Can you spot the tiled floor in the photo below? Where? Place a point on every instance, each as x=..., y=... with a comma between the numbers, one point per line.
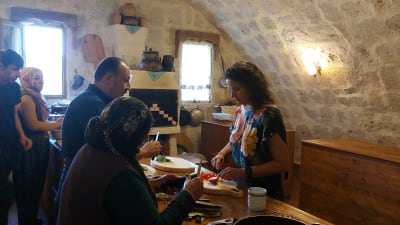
x=293, y=200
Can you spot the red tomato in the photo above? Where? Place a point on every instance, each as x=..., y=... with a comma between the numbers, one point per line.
x=214, y=180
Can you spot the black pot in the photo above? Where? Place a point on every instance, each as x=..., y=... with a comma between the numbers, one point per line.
x=185, y=117
x=270, y=220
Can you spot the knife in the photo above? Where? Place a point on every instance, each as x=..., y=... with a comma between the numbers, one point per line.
x=199, y=168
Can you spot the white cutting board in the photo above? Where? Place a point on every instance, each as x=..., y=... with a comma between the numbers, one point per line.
x=223, y=187
x=176, y=165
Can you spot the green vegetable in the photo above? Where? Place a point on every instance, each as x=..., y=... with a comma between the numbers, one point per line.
x=162, y=158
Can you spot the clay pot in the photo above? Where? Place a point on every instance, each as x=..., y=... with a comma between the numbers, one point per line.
x=168, y=63
x=151, y=61
x=128, y=9
x=143, y=21
x=151, y=65
x=150, y=55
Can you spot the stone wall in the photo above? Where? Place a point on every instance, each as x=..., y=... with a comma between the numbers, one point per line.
x=164, y=17
x=356, y=97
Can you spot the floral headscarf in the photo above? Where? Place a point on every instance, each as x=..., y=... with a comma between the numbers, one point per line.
x=26, y=77
x=121, y=127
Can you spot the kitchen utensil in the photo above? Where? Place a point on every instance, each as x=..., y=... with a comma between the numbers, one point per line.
x=175, y=165
x=168, y=62
x=221, y=81
x=199, y=168
x=267, y=219
x=77, y=81
x=158, y=134
x=185, y=117
x=92, y=48
x=257, y=220
x=224, y=187
x=197, y=116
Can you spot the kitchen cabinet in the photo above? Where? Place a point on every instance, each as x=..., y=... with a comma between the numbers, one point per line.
x=215, y=135
x=350, y=182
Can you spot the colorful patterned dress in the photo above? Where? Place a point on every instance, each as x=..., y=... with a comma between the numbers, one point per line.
x=268, y=121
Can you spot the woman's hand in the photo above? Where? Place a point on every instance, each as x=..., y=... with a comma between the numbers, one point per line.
x=59, y=122
x=230, y=173
x=194, y=187
x=156, y=183
x=217, y=161
x=151, y=148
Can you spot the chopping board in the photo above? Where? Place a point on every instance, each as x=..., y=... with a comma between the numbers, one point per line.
x=175, y=165
x=224, y=187
x=148, y=170
x=92, y=48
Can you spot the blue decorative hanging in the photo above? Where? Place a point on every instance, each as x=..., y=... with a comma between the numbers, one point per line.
x=132, y=29
x=155, y=75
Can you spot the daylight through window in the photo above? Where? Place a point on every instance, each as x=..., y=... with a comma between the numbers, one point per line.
x=43, y=48
x=195, y=71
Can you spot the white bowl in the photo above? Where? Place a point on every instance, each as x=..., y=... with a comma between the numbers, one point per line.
x=222, y=116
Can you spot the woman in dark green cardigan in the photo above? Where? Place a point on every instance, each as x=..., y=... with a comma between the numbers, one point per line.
x=107, y=185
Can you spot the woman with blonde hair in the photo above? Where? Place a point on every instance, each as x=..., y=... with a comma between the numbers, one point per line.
x=31, y=165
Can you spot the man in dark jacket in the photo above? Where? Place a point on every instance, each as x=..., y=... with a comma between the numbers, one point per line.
x=12, y=136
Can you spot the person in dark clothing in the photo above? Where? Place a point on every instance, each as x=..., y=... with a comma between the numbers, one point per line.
x=31, y=165
x=258, y=136
x=12, y=136
x=111, y=80
x=106, y=183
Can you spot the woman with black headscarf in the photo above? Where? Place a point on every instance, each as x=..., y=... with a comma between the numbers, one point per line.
x=107, y=185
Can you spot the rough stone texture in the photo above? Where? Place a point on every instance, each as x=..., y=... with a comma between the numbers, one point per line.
x=356, y=97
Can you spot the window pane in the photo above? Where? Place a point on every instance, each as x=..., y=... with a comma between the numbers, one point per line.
x=195, y=71
x=44, y=49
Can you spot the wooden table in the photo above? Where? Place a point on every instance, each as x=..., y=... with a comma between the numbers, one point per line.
x=237, y=207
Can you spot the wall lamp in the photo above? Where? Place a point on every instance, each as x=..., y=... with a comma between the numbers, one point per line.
x=314, y=61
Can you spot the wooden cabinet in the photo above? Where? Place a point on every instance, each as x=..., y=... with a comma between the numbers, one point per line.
x=215, y=135
x=350, y=182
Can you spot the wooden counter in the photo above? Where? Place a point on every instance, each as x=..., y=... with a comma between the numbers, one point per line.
x=215, y=135
x=350, y=182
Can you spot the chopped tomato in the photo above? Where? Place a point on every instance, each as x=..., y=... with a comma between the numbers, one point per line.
x=214, y=180
x=206, y=176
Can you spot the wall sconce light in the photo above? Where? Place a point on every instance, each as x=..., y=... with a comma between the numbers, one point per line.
x=314, y=61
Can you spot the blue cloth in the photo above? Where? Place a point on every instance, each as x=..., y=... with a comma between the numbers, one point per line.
x=155, y=75
x=132, y=29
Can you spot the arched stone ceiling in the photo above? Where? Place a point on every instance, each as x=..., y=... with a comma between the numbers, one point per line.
x=356, y=95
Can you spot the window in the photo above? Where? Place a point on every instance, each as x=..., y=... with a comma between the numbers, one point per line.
x=44, y=36
x=195, y=71
x=44, y=49
x=196, y=59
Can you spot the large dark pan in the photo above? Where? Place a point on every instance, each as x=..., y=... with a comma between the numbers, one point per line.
x=267, y=220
